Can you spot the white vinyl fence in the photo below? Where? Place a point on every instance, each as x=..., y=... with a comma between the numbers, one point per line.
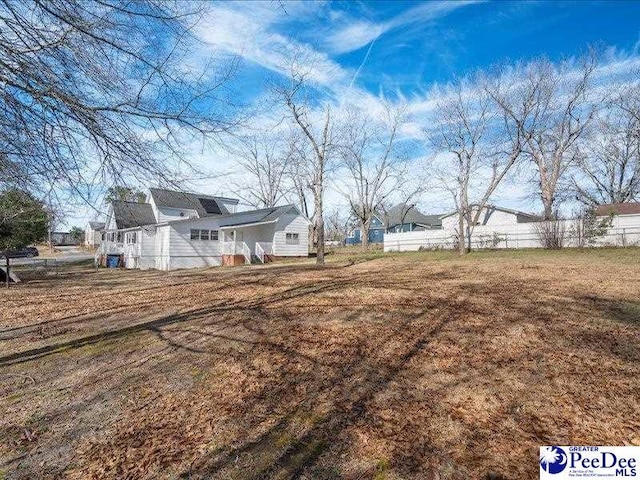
x=625, y=232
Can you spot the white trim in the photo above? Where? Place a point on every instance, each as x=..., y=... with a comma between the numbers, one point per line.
x=242, y=225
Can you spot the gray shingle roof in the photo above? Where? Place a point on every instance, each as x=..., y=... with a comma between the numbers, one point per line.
x=132, y=214
x=96, y=225
x=257, y=216
x=204, y=205
x=403, y=213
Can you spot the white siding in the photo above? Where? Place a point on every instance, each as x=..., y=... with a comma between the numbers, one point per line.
x=490, y=218
x=147, y=248
x=187, y=253
x=231, y=206
x=291, y=223
x=161, y=248
x=166, y=214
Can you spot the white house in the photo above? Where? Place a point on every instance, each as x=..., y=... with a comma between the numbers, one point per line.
x=185, y=230
x=504, y=228
x=93, y=234
x=491, y=216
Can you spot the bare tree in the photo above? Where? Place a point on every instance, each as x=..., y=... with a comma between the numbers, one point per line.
x=559, y=112
x=313, y=144
x=368, y=152
x=469, y=131
x=339, y=223
x=94, y=92
x=610, y=161
x=264, y=161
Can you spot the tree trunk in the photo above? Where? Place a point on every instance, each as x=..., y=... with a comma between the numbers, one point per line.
x=468, y=238
x=7, y=272
x=319, y=230
x=461, y=244
x=547, y=203
x=364, y=234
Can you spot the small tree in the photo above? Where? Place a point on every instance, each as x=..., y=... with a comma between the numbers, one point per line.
x=551, y=233
x=125, y=194
x=339, y=223
x=76, y=233
x=587, y=227
x=23, y=220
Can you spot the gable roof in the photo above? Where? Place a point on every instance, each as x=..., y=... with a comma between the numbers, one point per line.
x=132, y=214
x=248, y=217
x=618, y=209
x=403, y=213
x=522, y=217
x=204, y=205
x=258, y=216
x=96, y=225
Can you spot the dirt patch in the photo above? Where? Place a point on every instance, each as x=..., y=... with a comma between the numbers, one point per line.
x=404, y=366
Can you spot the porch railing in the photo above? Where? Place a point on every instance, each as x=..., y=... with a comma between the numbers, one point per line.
x=236, y=248
x=263, y=249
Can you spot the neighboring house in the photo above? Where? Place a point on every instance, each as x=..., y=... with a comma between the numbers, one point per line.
x=491, y=216
x=185, y=230
x=401, y=218
x=376, y=232
x=407, y=218
x=64, y=239
x=632, y=208
x=93, y=234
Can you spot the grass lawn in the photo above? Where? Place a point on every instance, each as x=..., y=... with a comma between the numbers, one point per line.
x=420, y=365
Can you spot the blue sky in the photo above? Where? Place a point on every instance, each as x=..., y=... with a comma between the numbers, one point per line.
x=400, y=49
x=407, y=46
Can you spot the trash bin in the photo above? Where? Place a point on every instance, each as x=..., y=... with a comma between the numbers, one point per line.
x=113, y=261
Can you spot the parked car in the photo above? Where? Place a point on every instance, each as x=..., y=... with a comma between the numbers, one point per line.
x=25, y=252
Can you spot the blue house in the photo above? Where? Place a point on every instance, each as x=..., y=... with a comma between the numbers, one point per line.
x=401, y=218
x=376, y=233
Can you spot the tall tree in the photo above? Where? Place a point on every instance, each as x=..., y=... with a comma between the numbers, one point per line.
x=609, y=166
x=368, y=151
x=314, y=142
x=94, y=92
x=561, y=111
x=23, y=220
x=469, y=131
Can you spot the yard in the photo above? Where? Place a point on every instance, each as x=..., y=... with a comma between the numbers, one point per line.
x=417, y=365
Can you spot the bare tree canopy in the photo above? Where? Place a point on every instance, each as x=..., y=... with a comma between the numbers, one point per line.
x=368, y=151
x=470, y=131
x=264, y=162
x=313, y=140
x=610, y=162
x=93, y=91
x=558, y=112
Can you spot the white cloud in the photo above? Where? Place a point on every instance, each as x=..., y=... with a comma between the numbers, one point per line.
x=355, y=34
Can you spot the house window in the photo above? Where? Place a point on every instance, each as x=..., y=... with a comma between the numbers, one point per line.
x=119, y=237
x=132, y=237
x=293, y=238
x=204, y=235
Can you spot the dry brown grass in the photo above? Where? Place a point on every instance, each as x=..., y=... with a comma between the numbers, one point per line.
x=407, y=366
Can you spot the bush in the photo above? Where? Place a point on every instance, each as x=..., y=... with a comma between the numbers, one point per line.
x=551, y=233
